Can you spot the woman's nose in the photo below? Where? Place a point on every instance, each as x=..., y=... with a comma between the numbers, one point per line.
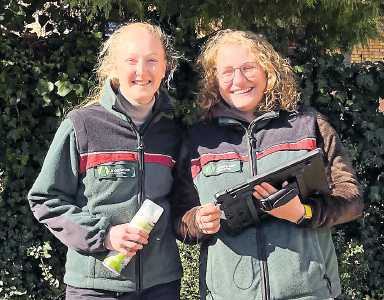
x=238, y=76
x=140, y=67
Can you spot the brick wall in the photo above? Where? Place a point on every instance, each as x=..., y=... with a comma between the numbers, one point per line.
x=374, y=50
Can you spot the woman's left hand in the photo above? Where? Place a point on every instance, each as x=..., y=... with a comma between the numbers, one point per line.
x=291, y=211
x=207, y=218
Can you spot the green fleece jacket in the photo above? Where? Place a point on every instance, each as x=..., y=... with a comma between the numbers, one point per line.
x=275, y=259
x=91, y=179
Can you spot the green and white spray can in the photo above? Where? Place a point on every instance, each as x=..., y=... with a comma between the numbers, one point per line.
x=145, y=219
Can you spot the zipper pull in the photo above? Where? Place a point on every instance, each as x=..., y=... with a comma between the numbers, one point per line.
x=252, y=140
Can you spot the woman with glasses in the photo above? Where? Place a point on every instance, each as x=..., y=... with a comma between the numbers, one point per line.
x=106, y=158
x=252, y=122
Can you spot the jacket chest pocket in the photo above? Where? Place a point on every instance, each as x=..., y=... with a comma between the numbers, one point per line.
x=217, y=176
x=111, y=185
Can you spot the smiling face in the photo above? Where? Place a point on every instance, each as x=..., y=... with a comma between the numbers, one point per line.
x=245, y=89
x=139, y=64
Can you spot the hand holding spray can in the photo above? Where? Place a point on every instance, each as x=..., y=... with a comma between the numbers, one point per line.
x=145, y=219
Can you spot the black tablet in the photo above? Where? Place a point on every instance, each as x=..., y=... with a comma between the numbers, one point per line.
x=308, y=171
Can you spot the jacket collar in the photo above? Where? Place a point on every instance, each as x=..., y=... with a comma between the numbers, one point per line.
x=227, y=116
x=163, y=103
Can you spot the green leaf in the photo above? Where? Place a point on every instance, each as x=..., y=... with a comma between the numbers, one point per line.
x=44, y=87
x=47, y=100
x=64, y=87
x=298, y=69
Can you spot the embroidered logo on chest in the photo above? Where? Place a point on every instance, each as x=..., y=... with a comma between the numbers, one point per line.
x=126, y=170
x=216, y=168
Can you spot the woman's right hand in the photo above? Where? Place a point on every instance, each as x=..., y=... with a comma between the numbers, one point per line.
x=126, y=239
x=207, y=218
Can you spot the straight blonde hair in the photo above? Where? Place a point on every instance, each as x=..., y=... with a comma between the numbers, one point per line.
x=105, y=65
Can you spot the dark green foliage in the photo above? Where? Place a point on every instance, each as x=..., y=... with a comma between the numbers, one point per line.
x=35, y=75
x=190, y=262
x=41, y=78
x=349, y=97
x=314, y=24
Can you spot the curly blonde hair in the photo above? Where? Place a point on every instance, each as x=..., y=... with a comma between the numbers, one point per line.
x=105, y=66
x=281, y=91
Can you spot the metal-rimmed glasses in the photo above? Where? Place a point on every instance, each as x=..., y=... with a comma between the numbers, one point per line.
x=248, y=70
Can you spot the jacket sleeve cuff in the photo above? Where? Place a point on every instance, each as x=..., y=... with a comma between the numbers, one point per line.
x=316, y=203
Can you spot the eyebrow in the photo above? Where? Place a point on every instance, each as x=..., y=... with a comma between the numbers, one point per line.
x=247, y=62
x=148, y=54
x=152, y=54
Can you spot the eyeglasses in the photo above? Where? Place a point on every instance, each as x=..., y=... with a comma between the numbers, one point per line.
x=249, y=71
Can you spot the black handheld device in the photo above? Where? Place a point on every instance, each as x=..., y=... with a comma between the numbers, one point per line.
x=305, y=176
x=308, y=171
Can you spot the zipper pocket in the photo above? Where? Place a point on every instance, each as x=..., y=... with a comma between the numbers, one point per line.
x=329, y=284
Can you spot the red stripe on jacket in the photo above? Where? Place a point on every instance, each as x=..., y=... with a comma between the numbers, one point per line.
x=198, y=163
x=305, y=144
x=89, y=160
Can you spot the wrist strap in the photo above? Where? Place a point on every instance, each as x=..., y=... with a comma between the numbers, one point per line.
x=281, y=197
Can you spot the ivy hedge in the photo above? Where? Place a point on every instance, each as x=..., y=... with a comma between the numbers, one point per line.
x=40, y=79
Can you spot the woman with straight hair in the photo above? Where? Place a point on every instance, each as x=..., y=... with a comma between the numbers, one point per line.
x=106, y=158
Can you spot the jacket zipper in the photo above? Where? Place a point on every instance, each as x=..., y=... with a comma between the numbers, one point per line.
x=265, y=289
x=140, y=151
x=141, y=194
x=140, y=200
